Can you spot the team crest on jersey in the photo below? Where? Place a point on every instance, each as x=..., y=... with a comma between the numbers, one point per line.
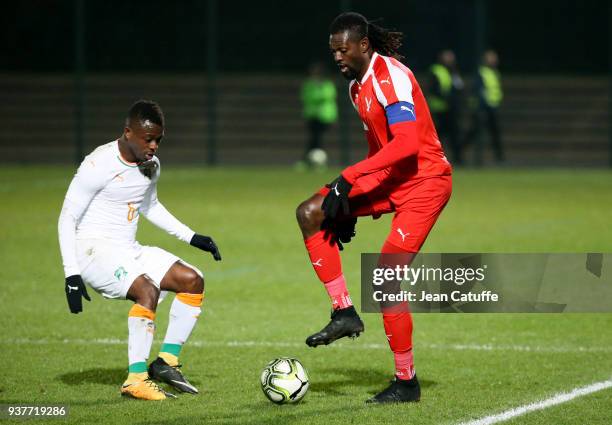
x=120, y=273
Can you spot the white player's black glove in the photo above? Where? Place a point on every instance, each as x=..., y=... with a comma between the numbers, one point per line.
x=75, y=289
x=338, y=196
x=205, y=243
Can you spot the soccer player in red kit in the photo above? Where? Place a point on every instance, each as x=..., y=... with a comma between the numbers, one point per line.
x=405, y=173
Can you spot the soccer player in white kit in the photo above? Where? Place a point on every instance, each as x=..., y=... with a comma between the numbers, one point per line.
x=97, y=232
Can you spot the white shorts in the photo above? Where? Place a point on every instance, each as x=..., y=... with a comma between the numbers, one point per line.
x=110, y=267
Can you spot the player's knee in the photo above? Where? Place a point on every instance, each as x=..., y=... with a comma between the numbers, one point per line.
x=309, y=214
x=148, y=296
x=193, y=283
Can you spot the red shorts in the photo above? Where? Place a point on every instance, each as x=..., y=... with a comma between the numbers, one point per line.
x=416, y=204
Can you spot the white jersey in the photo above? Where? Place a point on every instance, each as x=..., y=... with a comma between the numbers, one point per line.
x=105, y=200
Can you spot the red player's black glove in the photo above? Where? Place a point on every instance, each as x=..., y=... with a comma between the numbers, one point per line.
x=337, y=197
x=342, y=231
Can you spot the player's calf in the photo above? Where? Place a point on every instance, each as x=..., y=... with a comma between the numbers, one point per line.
x=144, y=292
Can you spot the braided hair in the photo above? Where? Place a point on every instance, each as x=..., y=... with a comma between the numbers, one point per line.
x=383, y=40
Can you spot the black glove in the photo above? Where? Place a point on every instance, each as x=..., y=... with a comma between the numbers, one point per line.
x=345, y=230
x=338, y=196
x=342, y=231
x=205, y=243
x=75, y=289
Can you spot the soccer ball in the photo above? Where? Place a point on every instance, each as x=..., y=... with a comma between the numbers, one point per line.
x=317, y=157
x=284, y=381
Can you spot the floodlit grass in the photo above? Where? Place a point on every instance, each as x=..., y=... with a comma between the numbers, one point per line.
x=262, y=301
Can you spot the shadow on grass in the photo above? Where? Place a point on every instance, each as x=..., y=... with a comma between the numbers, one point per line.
x=332, y=381
x=108, y=376
x=343, y=379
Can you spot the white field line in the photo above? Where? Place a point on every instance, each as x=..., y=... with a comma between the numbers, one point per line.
x=350, y=346
x=539, y=405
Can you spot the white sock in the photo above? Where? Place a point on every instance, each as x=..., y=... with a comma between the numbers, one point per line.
x=141, y=328
x=183, y=318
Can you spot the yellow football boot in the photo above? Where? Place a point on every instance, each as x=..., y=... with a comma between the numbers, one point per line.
x=142, y=387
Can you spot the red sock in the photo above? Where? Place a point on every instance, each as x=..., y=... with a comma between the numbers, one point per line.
x=398, y=327
x=325, y=258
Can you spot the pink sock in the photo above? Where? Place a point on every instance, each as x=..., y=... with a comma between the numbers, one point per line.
x=404, y=365
x=336, y=289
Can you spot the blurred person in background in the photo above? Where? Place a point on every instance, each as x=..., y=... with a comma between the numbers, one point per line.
x=486, y=100
x=320, y=112
x=445, y=96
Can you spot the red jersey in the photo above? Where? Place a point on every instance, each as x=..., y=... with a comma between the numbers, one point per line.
x=392, y=108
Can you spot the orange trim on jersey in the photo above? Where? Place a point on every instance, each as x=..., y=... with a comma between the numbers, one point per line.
x=194, y=300
x=126, y=162
x=139, y=311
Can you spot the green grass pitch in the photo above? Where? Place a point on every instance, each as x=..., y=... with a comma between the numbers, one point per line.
x=262, y=301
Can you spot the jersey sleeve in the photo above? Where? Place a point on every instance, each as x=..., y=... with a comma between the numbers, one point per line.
x=157, y=214
x=87, y=182
x=393, y=90
x=392, y=82
x=404, y=143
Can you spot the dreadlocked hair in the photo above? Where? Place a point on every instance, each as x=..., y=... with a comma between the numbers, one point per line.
x=383, y=40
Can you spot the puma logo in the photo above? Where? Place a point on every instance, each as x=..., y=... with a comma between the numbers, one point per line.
x=385, y=81
x=368, y=103
x=402, y=234
x=406, y=108
x=318, y=263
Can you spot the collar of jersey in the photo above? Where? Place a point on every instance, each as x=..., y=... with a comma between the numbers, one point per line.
x=127, y=164
x=121, y=160
x=370, y=67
